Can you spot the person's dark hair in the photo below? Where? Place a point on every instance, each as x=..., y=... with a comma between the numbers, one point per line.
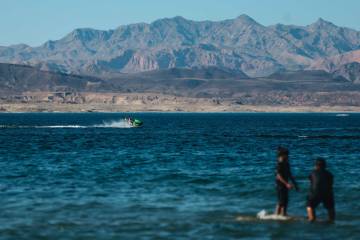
x=320, y=163
x=282, y=152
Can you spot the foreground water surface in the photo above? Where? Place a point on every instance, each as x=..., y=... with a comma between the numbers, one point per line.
x=181, y=176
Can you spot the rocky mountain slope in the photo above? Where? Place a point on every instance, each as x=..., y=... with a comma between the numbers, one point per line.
x=350, y=71
x=204, y=82
x=239, y=44
x=178, y=89
x=194, y=83
x=16, y=79
x=346, y=65
x=332, y=63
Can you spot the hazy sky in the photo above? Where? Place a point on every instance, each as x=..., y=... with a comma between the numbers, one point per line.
x=36, y=21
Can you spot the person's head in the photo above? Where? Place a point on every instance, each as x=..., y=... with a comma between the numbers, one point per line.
x=320, y=164
x=282, y=154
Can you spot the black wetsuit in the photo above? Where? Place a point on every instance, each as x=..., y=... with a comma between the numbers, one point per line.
x=321, y=190
x=283, y=169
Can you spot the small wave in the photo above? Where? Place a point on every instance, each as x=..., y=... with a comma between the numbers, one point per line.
x=342, y=115
x=7, y=126
x=312, y=136
x=246, y=218
x=303, y=136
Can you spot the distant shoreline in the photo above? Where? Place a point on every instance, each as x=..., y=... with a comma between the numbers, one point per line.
x=168, y=108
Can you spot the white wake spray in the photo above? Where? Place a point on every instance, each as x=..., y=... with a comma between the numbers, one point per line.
x=114, y=124
x=60, y=126
x=106, y=124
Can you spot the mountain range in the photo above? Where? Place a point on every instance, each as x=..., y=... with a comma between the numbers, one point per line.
x=241, y=45
x=202, y=82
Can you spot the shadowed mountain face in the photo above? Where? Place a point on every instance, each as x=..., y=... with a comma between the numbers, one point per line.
x=16, y=79
x=350, y=71
x=195, y=82
x=239, y=44
x=23, y=84
x=191, y=83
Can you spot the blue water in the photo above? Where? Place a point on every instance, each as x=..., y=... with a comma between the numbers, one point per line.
x=181, y=176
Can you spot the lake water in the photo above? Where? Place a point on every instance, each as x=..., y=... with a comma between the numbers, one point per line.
x=180, y=176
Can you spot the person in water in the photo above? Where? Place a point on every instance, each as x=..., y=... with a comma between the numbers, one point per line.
x=321, y=191
x=283, y=176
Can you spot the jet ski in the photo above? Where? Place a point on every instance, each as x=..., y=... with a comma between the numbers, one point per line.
x=137, y=123
x=134, y=122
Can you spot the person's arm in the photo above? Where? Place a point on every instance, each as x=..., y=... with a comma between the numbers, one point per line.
x=279, y=175
x=291, y=177
x=293, y=180
x=282, y=180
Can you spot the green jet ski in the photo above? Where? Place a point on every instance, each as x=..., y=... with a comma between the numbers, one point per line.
x=134, y=122
x=137, y=123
